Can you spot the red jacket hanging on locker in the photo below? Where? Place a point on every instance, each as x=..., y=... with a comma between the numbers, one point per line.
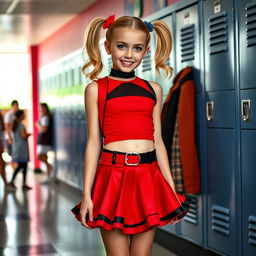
x=179, y=112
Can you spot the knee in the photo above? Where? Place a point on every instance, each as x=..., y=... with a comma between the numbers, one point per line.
x=140, y=252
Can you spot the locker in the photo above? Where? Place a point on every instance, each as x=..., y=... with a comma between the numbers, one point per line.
x=247, y=32
x=248, y=109
x=199, y=106
x=82, y=135
x=219, y=45
x=166, y=83
x=191, y=227
x=187, y=43
x=220, y=109
x=248, y=142
x=221, y=184
x=146, y=69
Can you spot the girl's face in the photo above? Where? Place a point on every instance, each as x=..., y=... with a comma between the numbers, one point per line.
x=42, y=109
x=127, y=48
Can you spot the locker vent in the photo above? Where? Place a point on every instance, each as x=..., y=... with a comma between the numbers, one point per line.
x=252, y=230
x=109, y=64
x=146, y=64
x=192, y=215
x=221, y=219
x=250, y=21
x=218, y=29
x=168, y=62
x=187, y=43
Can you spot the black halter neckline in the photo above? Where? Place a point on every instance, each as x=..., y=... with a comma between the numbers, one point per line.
x=121, y=74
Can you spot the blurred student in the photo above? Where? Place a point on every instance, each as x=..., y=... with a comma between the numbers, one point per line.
x=20, y=153
x=2, y=162
x=45, y=139
x=8, y=121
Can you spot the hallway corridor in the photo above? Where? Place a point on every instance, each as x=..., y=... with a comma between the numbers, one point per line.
x=39, y=222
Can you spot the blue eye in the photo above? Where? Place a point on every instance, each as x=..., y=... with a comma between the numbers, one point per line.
x=138, y=49
x=121, y=46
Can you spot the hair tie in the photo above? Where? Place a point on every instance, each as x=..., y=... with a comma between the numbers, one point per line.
x=149, y=25
x=108, y=21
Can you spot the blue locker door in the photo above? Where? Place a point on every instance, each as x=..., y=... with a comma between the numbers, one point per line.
x=248, y=142
x=166, y=83
x=187, y=42
x=221, y=154
x=220, y=109
x=247, y=30
x=146, y=65
x=82, y=133
x=219, y=45
x=248, y=108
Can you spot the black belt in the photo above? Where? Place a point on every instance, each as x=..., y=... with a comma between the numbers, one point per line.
x=128, y=158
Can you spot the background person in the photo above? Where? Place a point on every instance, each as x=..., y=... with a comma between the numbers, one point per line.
x=20, y=152
x=8, y=120
x=2, y=162
x=45, y=139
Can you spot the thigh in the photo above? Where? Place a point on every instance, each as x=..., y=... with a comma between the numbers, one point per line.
x=141, y=244
x=116, y=243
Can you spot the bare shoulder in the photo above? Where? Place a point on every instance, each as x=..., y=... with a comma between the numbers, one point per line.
x=157, y=87
x=91, y=89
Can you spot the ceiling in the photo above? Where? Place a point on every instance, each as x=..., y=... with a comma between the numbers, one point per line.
x=29, y=22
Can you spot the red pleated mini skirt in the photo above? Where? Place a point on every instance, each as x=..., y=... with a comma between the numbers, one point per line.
x=131, y=198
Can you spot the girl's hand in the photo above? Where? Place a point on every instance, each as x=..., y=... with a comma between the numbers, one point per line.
x=172, y=185
x=86, y=206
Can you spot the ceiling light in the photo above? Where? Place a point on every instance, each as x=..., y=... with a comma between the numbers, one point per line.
x=12, y=6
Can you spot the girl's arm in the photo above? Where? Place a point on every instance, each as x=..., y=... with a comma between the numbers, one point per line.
x=23, y=133
x=41, y=128
x=93, y=149
x=161, y=152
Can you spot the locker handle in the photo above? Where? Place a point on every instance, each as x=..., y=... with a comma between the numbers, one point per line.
x=246, y=110
x=209, y=110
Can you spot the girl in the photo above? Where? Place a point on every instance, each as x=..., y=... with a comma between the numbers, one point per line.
x=128, y=187
x=44, y=139
x=20, y=153
x=2, y=163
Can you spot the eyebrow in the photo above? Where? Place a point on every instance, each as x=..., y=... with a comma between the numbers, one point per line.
x=126, y=43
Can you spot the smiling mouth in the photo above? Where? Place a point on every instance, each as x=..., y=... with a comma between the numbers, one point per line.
x=127, y=63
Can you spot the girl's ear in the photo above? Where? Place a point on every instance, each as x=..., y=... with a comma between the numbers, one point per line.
x=107, y=47
x=146, y=52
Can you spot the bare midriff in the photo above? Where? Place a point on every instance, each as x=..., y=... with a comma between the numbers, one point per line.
x=139, y=146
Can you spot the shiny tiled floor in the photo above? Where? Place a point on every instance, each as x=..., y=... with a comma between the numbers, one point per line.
x=39, y=222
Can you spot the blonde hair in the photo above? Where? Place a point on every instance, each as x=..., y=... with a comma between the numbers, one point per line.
x=92, y=38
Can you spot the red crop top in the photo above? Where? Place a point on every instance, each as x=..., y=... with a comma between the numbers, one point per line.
x=128, y=111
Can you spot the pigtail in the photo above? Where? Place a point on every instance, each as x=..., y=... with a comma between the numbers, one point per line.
x=163, y=47
x=91, y=46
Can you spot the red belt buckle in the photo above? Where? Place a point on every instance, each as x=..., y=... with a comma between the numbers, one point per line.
x=131, y=153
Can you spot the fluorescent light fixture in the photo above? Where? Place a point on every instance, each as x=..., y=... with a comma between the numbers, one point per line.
x=12, y=6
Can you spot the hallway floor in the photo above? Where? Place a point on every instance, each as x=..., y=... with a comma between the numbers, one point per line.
x=39, y=222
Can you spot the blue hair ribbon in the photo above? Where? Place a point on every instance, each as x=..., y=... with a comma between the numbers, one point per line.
x=149, y=25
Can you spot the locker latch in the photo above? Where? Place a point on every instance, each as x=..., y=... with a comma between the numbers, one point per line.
x=246, y=110
x=209, y=110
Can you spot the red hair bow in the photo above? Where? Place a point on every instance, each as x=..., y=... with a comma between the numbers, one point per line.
x=108, y=21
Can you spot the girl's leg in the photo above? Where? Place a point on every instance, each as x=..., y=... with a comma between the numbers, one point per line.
x=44, y=159
x=16, y=172
x=116, y=243
x=141, y=243
x=2, y=169
x=24, y=167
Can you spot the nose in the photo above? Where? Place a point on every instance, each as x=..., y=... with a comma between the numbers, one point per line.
x=128, y=53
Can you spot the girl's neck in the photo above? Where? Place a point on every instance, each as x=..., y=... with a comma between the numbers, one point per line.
x=120, y=74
